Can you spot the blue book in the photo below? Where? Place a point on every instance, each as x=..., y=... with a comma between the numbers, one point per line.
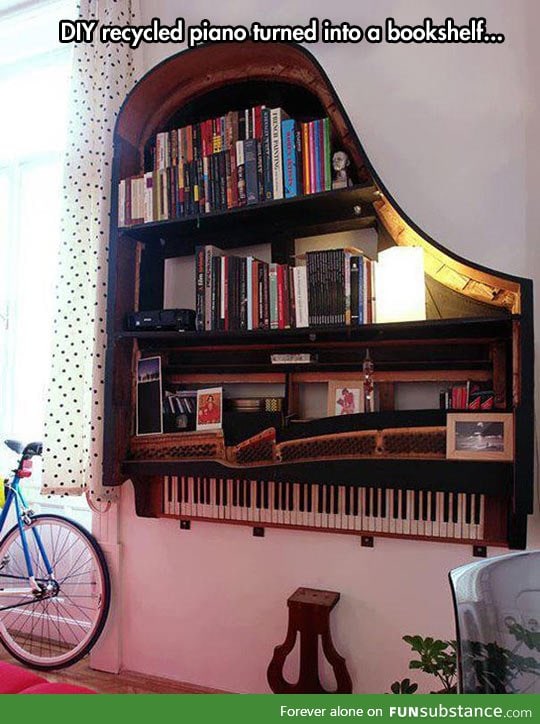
x=267, y=155
x=290, y=160
x=318, y=152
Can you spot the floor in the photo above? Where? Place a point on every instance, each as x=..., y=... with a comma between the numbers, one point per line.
x=126, y=682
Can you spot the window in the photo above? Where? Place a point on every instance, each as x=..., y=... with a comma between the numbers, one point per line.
x=34, y=85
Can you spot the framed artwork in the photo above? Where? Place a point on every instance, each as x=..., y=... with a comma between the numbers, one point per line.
x=482, y=436
x=149, y=416
x=345, y=398
x=210, y=408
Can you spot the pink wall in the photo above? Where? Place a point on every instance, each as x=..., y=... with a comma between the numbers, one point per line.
x=445, y=127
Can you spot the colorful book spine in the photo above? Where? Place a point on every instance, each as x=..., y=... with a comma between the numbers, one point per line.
x=290, y=161
x=277, y=116
x=273, y=295
x=251, y=172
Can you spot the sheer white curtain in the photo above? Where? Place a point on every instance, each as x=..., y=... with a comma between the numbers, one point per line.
x=34, y=82
x=102, y=77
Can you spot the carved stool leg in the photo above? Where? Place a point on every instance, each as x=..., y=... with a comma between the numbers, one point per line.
x=309, y=616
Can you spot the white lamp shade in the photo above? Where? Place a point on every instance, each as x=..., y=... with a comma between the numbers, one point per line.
x=400, y=286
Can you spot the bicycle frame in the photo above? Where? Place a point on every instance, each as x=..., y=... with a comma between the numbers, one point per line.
x=16, y=498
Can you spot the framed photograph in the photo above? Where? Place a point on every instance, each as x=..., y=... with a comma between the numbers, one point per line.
x=482, y=436
x=210, y=409
x=149, y=416
x=345, y=398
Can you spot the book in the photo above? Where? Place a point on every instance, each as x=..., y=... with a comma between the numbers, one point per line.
x=277, y=116
x=290, y=159
x=251, y=171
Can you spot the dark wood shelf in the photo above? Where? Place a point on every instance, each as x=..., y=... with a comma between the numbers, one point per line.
x=299, y=212
x=490, y=478
x=474, y=329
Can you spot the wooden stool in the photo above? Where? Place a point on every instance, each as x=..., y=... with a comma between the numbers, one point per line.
x=309, y=613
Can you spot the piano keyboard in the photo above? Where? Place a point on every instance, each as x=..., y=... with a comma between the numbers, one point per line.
x=330, y=507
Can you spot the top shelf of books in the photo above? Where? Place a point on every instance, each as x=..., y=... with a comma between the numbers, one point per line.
x=208, y=172
x=351, y=205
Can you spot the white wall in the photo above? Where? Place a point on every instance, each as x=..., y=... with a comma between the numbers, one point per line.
x=446, y=127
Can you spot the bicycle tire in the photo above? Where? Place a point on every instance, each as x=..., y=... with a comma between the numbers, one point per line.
x=23, y=644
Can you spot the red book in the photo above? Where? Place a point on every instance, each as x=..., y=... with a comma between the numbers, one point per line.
x=312, y=168
x=255, y=293
x=281, y=296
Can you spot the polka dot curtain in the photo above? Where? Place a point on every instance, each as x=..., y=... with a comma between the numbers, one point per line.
x=103, y=74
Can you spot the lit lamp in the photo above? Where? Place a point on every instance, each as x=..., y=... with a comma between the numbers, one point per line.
x=400, y=286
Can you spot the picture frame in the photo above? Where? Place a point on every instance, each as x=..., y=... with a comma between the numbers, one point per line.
x=149, y=403
x=210, y=409
x=481, y=436
x=345, y=398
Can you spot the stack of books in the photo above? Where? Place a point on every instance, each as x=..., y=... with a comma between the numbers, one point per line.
x=325, y=288
x=466, y=397
x=243, y=157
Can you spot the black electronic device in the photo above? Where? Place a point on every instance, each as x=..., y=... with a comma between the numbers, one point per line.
x=181, y=320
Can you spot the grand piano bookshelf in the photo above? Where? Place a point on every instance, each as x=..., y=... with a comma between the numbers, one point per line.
x=479, y=325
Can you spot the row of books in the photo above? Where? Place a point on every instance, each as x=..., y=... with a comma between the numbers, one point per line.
x=244, y=157
x=466, y=397
x=325, y=288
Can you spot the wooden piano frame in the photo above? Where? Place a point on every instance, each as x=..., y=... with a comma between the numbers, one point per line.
x=480, y=324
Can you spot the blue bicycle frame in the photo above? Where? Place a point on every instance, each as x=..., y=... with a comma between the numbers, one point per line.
x=15, y=497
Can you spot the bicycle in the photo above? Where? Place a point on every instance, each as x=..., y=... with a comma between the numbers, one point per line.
x=54, y=583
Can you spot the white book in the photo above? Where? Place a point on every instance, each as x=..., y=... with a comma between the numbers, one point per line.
x=240, y=153
x=122, y=203
x=277, y=115
x=148, y=197
x=301, y=296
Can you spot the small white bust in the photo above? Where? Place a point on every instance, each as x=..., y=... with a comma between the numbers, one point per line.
x=340, y=164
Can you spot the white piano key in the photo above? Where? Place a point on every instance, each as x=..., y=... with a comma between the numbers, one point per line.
x=342, y=521
x=406, y=511
x=443, y=525
x=413, y=512
x=480, y=534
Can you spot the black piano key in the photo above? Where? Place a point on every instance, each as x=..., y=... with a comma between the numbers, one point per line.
x=258, y=494
x=383, y=504
x=247, y=484
x=404, y=512
x=395, y=511
x=283, y=501
x=309, y=501
x=425, y=505
x=196, y=490
x=217, y=494
x=335, y=508
x=276, y=496
x=320, y=499
x=455, y=508
x=433, y=498
x=291, y=496
x=417, y=505
x=225, y=489
x=301, y=498
x=327, y=507
x=355, y=499
x=477, y=506
x=375, y=494
x=468, y=508
x=348, y=500
x=368, y=501
x=235, y=493
x=446, y=507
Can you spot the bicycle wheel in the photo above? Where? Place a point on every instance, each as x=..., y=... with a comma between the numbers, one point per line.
x=61, y=627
